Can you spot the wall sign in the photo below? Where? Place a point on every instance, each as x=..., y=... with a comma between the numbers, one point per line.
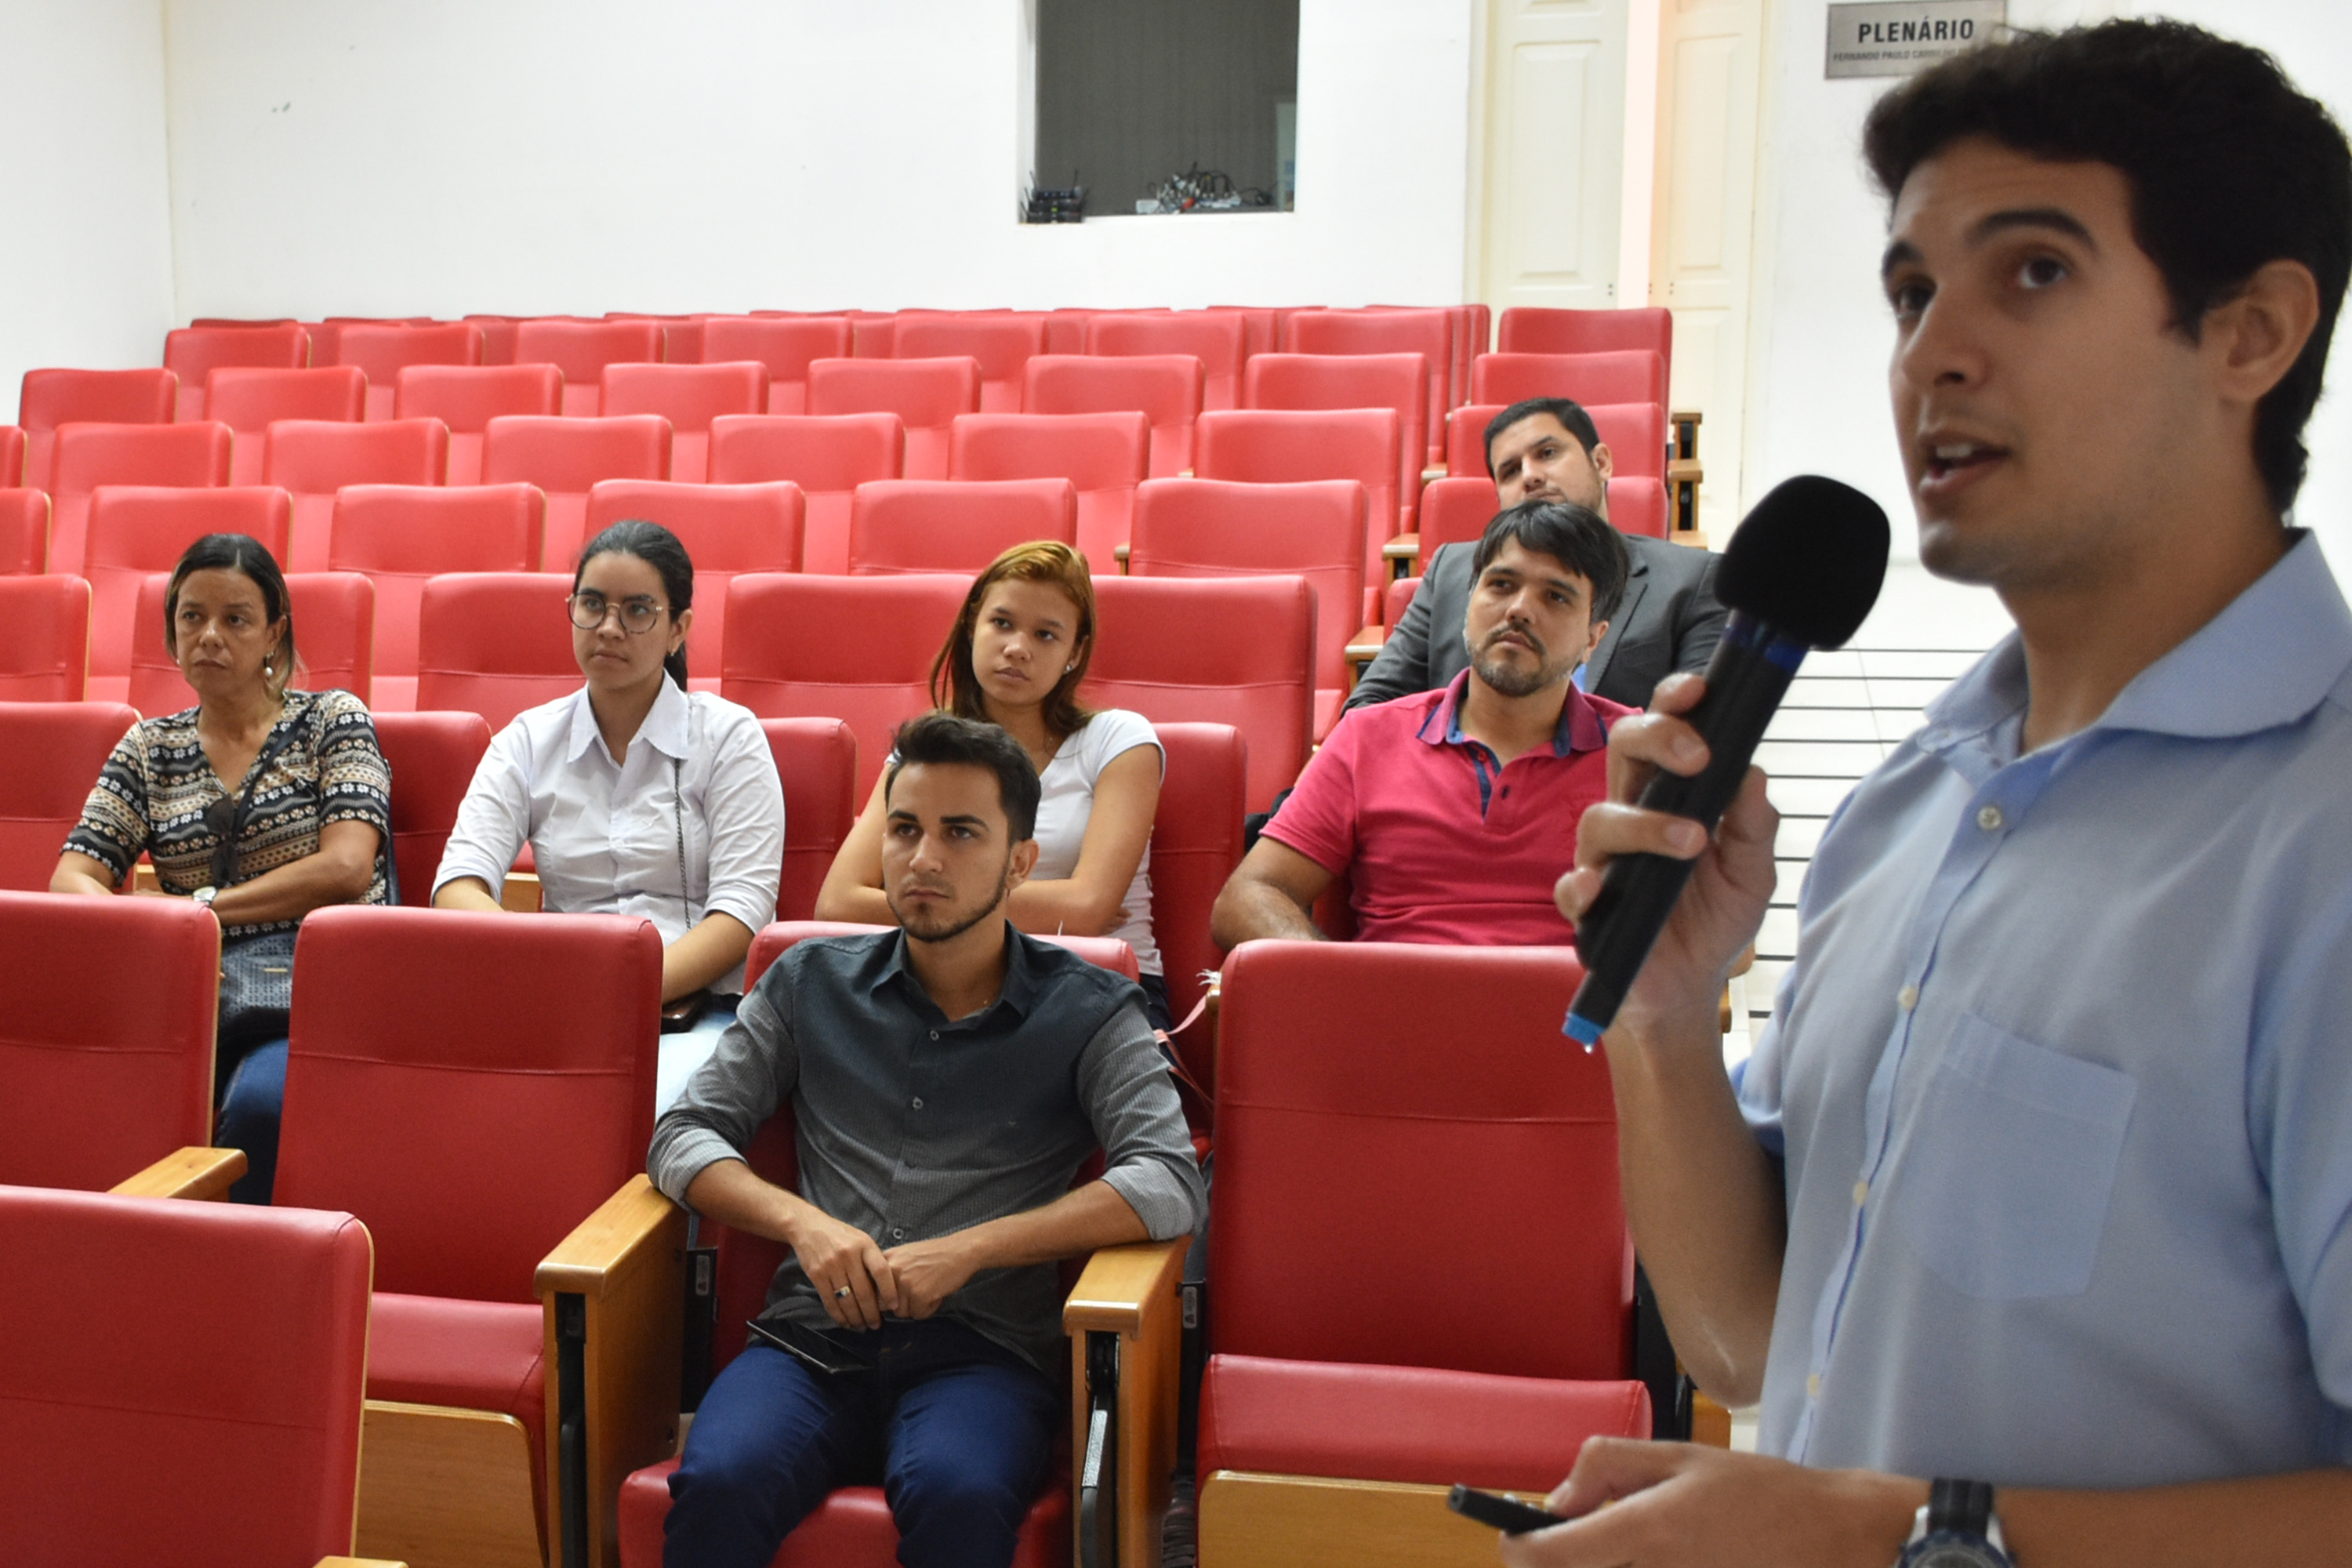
x=1900, y=38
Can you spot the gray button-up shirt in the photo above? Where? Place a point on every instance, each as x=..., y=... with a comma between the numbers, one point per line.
x=909, y=1126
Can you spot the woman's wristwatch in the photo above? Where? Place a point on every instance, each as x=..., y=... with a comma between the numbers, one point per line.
x=205, y=895
x=1958, y=1528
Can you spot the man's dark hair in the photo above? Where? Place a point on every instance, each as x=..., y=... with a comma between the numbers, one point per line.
x=937, y=737
x=1567, y=410
x=2229, y=168
x=1577, y=537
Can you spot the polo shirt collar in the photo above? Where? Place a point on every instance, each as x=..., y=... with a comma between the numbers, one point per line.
x=664, y=728
x=1579, y=728
x=1018, y=992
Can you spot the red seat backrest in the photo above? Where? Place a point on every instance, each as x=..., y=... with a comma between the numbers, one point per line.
x=581, y=349
x=223, y=1429
x=467, y=398
x=24, y=532
x=88, y=456
x=498, y=338
x=401, y=536
x=1218, y=339
x=1353, y=381
x=1400, y=592
x=1457, y=510
x=1065, y=331
x=193, y=352
x=920, y=525
x=51, y=398
x=12, y=457
x=1001, y=342
x=110, y=1001
x=312, y=459
x=494, y=643
x=432, y=757
x=726, y=528
x=1105, y=455
x=49, y=762
x=46, y=658
x=1286, y=445
x=137, y=529
x=925, y=393
x=786, y=345
x=1620, y=375
x=565, y=458
x=1533, y=329
x=689, y=396
x=1196, y=842
x=334, y=635
x=1164, y=388
x=384, y=352
x=828, y=456
x=1353, y=1105
x=247, y=400
x=817, y=761
x=544, y=1096
x=1635, y=434
x=1384, y=330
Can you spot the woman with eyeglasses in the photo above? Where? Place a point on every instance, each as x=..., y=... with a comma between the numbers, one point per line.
x=636, y=795
x=260, y=803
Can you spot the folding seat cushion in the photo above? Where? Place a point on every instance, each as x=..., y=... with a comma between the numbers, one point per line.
x=816, y=759
x=1383, y=330
x=401, y=536
x=494, y=643
x=1164, y=388
x=432, y=757
x=566, y=457
x=827, y=456
x=726, y=528
x=786, y=345
x=24, y=532
x=1002, y=342
x=581, y=349
x=382, y=352
x=689, y=396
x=1532, y=329
x=88, y=456
x=1196, y=842
x=1288, y=446
x=137, y=529
x=12, y=455
x=334, y=631
x=1216, y=338
x=311, y=459
x=1621, y=375
x=193, y=352
x=46, y=657
x=247, y=400
x=467, y=398
x=1104, y=457
x=1353, y=381
x=50, y=398
x=49, y=764
x=922, y=526
x=925, y=393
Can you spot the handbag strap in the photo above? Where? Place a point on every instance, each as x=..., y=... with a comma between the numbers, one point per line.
x=276, y=743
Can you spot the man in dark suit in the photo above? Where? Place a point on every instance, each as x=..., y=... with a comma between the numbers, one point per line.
x=1545, y=449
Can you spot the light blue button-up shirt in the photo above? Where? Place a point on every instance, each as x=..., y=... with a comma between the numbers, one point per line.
x=2062, y=1075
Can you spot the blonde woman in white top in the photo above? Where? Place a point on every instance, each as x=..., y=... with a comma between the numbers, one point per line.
x=1018, y=652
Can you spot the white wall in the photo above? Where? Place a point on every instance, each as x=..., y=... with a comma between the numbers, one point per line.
x=86, y=268
x=438, y=157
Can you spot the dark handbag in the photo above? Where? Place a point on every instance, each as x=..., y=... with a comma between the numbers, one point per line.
x=257, y=991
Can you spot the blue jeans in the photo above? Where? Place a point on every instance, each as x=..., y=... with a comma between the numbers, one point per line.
x=249, y=1119
x=956, y=1428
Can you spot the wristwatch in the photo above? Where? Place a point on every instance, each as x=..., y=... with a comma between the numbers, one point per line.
x=1956, y=1530
x=205, y=895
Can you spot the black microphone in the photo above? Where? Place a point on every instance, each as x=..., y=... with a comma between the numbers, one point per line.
x=1802, y=573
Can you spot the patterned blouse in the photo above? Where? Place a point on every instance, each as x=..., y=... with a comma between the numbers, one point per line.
x=155, y=792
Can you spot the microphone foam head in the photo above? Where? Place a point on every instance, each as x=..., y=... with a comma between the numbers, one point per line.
x=1808, y=561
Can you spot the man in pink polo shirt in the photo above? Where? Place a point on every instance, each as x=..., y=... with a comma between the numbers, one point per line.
x=1449, y=812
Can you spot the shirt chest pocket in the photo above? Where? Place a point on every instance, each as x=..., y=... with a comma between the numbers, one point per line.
x=2003, y=1185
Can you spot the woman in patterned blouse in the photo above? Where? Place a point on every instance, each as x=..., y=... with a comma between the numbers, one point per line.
x=304, y=826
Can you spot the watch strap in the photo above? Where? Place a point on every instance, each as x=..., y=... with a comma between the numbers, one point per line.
x=1963, y=1508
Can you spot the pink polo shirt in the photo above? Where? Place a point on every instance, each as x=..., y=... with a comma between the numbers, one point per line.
x=1438, y=843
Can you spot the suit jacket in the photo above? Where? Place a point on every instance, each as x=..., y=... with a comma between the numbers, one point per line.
x=1668, y=620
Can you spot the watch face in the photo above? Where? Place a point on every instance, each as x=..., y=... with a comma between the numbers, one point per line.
x=1954, y=1551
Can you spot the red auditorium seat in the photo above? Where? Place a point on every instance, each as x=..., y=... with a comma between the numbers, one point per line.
x=467, y=398
x=1236, y=651
x=681, y=336
x=816, y=759
x=1211, y=528
x=334, y=631
x=402, y=536
x=1634, y=433
x=432, y=757
x=1265, y=447
x=46, y=658
x=1164, y=388
x=494, y=643
x=1218, y=339
x=566, y=457
x=382, y=352
x=940, y=525
x=1262, y=324
x=828, y=456
x=1104, y=456
x=50, y=398
x=24, y=532
x=1066, y=329
x=1002, y=342
x=1623, y=375
x=1196, y=842
x=499, y=339
x=786, y=345
x=246, y=401
x=1457, y=511
x=311, y=459
x=925, y=393
x=853, y=648
x=689, y=396
x=581, y=349
x=726, y=528
x=12, y=455
x=193, y=352
x=88, y=456
x=1350, y=1110
x=219, y=1428
x=1400, y=592
x=872, y=334
x=1353, y=381
x=49, y=764
x=1529, y=330
x=512, y=1265
x=1385, y=330
x=137, y=529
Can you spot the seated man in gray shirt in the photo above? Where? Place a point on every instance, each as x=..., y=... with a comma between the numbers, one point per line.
x=947, y=1081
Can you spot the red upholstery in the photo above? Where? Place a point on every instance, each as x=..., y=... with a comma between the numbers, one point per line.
x=498, y=340
x=871, y=332
x=581, y=349
x=313, y=459
x=1164, y=388
x=1001, y=342
x=193, y=352
x=1065, y=331
x=566, y=457
x=925, y=393
x=940, y=526
x=494, y=643
x=1282, y=445
x=467, y=398
x=475, y=1355
x=1400, y=592
x=432, y=757
x=682, y=341
x=1385, y=330
x=817, y=761
x=854, y=649
x=334, y=636
x=1622, y=375
x=828, y=456
x=1236, y=651
x=1196, y=842
x=1634, y=433
x=726, y=528
x=787, y=346
x=1639, y=506
x=1218, y=339
x=46, y=657
x=24, y=532
x=50, y=398
x=137, y=529
x=1457, y=510
x=246, y=401
x=217, y=1425
x=402, y=535
x=853, y=1530
x=110, y=1002
x=689, y=396
x=88, y=456
x=1262, y=324
x=1353, y=381
x=1530, y=330
x=382, y=352
x=1105, y=455
x=1473, y=335
x=12, y=455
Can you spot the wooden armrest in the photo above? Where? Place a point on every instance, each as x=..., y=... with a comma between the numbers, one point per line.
x=1685, y=470
x=1125, y=1326
x=520, y=893
x=1435, y=472
x=1710, y=1422
x=1120, y=1284
x=1685, y=417
x=1694, y=537
x=1403, y=547
x=191, y=1173
x=1365, y=646
x=1746, y=960
x=144, y=879
x=624, y=1234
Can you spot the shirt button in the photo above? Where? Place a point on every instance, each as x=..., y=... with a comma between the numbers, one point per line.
x=897, y=1235
x=935, y=1034
x=1988, y=819
x=917, y=1102
x=1813, y=1386
x=1861, y=1193
x=1908, y=998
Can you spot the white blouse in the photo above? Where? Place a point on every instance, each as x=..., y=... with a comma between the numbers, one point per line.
x=1066, y=803
x=606, y=836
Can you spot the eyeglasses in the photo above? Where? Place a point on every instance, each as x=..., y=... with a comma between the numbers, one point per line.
x=637, y=616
